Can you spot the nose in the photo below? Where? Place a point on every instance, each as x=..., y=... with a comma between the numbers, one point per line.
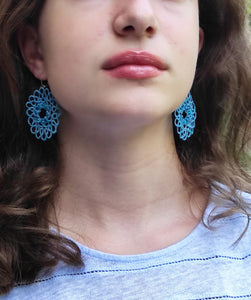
x=135, y=18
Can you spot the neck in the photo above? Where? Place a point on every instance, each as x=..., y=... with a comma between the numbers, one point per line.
x=123, y=185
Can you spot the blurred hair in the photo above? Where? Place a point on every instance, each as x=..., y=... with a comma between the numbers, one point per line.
x=214, y=157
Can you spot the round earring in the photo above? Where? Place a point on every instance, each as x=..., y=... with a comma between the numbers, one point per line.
x=43, y=113
x=185, y=117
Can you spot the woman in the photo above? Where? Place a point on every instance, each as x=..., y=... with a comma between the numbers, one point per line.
x=125, y=130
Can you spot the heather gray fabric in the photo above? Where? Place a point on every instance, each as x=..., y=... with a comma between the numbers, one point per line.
x=204, y=265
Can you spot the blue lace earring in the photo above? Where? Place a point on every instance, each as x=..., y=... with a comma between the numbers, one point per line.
x=185, y=117
x=43, y=113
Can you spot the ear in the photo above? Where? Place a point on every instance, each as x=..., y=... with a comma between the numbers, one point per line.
x=201, y=39
x=28, y=42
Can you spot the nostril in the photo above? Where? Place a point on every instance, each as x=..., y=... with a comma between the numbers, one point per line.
x=150, y=30
x=128, y=28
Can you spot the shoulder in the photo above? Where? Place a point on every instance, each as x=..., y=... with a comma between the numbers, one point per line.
x=230, y=227
x=247, y=197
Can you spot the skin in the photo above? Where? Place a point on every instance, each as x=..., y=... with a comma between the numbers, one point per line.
x=122, y=186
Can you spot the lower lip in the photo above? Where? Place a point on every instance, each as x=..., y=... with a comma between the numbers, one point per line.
x=134, y=72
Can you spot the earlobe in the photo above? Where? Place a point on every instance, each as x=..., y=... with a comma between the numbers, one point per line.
x=29, y=47
x=201, y=39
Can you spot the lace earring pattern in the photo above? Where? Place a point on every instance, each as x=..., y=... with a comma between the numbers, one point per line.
x=43, y=113
x=185, y=117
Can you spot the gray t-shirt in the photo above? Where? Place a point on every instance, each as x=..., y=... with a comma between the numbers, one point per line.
x=204, y=265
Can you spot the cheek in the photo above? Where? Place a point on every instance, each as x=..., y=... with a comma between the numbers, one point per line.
x=183, y=39
x=183, y=43
x=70, y=64
x=69, y=49
x=69, y=37
x=186, y=49
x=181, y=30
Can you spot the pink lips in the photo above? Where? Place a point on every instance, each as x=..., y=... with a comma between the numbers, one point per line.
x=134, y=65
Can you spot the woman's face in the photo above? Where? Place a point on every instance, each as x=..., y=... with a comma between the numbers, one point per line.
x=119, y=58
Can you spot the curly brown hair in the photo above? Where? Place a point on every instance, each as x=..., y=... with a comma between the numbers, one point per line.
x=29, y=169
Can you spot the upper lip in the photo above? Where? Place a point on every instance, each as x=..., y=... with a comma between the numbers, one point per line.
x=134, y=57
